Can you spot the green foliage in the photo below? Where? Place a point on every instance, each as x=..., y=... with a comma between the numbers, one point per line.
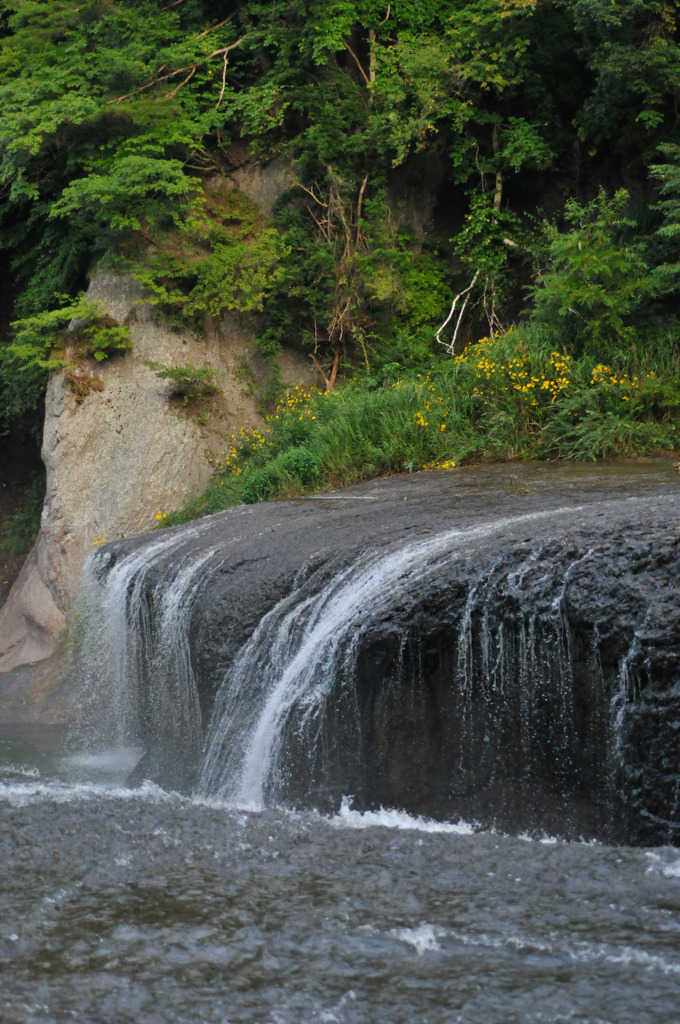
x=22, y=528
x=667, y=176
x=102, y=104
x=486, y=244
x=633, y=50
x=93, y=333
x=509, y=397
x=27, y=359
x=135, y=191
x=229, y=259
x=596, y=280
x=187, y=382
x=119, y=119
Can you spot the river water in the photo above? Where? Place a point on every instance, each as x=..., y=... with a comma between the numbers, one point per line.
x=120, y=905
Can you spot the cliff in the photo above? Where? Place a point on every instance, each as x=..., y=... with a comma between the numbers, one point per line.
x=121, y=454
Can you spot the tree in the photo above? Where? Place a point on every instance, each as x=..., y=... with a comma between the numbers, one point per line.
x=596, y=282
x=667, y=175
x=633, y=50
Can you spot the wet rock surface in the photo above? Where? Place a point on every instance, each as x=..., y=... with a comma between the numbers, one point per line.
x=520, y=667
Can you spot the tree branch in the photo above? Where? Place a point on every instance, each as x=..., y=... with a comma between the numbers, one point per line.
x=173, y=92
x=224, y=81
x=218, y=25
x=466, y=291
x=328, y=381
x=498, y=194
x=359, y=205
x=323, y=225
x=334, y=371
x=172, y=74
x=356, y=61
x=312, y=194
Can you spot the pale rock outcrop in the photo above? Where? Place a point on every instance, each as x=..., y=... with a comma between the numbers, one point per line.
x=263, y=182
x=124, y=453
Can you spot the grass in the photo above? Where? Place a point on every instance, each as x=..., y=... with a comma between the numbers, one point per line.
x=516, y=396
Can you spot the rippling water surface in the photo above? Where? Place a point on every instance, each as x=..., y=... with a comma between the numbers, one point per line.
x=120, y=905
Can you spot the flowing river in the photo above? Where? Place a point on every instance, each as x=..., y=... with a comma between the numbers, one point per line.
x=122, y=905
x=497, y=648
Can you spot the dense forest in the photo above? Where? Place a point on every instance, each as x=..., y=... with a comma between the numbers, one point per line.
x=480, y=247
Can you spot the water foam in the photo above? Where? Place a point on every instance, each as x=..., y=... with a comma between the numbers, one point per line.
x=19, y=771
x=660, y=866
x=26, y=794
x=387, y=818
x=423, y=938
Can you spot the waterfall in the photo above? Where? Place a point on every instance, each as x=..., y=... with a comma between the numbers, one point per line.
x=513, y=670
x=288, y=714
x=137, y=686
x=306, y=649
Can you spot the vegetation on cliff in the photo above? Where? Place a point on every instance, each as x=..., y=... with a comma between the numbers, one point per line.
x=504, y=398
x=460, y=167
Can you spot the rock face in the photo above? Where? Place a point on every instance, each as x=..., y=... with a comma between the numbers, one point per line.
x=123, y=453
x=501, y=644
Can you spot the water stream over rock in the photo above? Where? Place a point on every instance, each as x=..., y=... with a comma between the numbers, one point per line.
x=334, y=760
x=517, y=668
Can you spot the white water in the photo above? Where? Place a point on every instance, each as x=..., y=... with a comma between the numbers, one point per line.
x=138, y=677
x=286, y=724
x=387, y=818
x=300, y=649
x=122, y=905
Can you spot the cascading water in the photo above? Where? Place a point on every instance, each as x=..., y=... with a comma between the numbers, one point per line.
x=303, y=714
x=305, y=652
x=138, y=679
x=433, y=649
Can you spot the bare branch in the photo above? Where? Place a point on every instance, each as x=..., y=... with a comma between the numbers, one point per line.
x=224, y=49
x=372, y=61
x=357, y=62
x=219, y=25
x=328, y=381
x=173, y=92
x=495, y=324
x=224, y=80
x=172, y=74
x=359, y=205
x=323, y=225
x=141, y=88
x=312, y=194
x=498, y=194
x=458, y=322
x=389, y=7
x=359, y=334
x=466, y=291
x=334, y=371
x=318, y=366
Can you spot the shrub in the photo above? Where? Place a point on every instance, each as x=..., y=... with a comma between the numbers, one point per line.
x=596, y=282
x=513, y=396
x=187, y=382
